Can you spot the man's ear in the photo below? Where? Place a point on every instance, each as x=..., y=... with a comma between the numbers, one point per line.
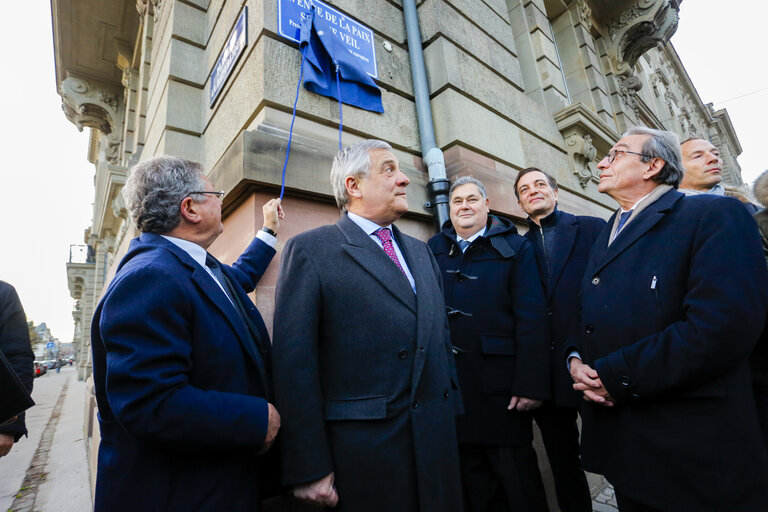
x=352, y=184
x=189, y=211
x=654, y=167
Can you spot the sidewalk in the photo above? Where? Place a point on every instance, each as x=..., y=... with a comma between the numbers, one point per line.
x=48, y=471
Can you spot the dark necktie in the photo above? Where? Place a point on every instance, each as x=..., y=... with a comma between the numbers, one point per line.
x=385, y=235
x=215, y=269
x=213, y=265
x=463, y=244
x=623, y=218
x=251, y=329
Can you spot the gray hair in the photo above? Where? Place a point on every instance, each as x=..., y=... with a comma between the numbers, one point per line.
x=664, y=145
x=155, y=188
x=760, y=189
x=352, y=161
x=465, y=180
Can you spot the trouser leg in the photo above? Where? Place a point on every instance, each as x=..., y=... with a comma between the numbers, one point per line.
x=560, y=434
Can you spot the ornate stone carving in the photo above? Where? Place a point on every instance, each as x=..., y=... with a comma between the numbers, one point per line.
x=644, y=25
x=98, y=107
x=628, y=87
x=585, y=14
x=586, y=135
x=583, y=153
x=144, y=6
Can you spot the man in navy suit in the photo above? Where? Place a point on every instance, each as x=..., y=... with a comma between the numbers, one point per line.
x=562, y=243
x=181, y=357
x=364, y=375
x=668, y=306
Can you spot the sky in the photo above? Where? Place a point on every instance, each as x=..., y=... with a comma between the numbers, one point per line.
x=47, y=182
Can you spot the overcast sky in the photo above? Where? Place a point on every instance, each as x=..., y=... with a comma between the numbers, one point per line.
x=47, y=183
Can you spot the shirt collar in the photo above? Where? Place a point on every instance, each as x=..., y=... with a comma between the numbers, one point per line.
x=473, y=237
x=366, y=225
x=195, y=251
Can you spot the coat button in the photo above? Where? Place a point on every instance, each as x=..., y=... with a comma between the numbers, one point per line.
x=415, y=404
x=625, y=381
x=402, y=354
x=595, y=280
x=420, y=348
x=446, y=394
x=589, y=329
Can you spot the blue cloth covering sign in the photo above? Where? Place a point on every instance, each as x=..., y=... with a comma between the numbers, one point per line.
x=234, y=47
x=332, y=42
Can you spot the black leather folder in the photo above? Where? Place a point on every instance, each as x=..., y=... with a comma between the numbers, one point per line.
x=14, y=398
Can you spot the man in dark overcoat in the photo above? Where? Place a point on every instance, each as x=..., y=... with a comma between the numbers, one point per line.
x=364, y=375
x=562, y=242
x=668, y=307
x=500, y=334
x=181, y=356
x=16, y=347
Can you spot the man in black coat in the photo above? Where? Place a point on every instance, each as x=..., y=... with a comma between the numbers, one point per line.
x=499, y=331
x=14, y=342
x=364, y=376
x=672, y=304
x=562, y=242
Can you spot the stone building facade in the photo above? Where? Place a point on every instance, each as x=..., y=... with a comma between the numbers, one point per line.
x=512, y=84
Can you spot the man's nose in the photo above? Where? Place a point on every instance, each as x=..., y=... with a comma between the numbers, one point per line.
x=603, y=164
x=402, y=179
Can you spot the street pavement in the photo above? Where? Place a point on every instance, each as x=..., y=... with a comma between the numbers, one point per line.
x=48, y=471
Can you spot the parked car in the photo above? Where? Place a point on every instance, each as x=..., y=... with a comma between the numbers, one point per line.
x=40, y=369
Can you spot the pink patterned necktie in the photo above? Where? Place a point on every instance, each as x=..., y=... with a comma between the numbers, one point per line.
x=385, y=235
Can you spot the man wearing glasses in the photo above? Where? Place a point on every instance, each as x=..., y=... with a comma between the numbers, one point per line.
x=667, y=306
x=181, y=357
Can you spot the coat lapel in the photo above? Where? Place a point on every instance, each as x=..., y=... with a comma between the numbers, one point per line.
x=427, y=291
x=640, y=225
x=375, y=261
x=561, y=251
x=211, y=290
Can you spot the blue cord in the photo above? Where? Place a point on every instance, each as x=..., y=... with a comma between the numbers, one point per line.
x=290, y=133
x=341, y=115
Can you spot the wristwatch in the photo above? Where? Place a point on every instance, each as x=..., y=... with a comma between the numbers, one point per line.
x=269, y=231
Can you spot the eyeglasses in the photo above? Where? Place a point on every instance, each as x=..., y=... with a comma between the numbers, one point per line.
x=611, y=156
x=217, y=193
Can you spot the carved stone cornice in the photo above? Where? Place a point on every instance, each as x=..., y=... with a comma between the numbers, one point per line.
x=635, y=30
x=94, y=106
x=144, y=6
x=585, y=13
x=586, y=136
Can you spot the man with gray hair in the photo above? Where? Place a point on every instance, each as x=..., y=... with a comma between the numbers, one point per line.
x=181, y=357
x=668, y=302
x=364, y=375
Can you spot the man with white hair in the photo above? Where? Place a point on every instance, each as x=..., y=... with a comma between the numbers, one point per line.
x=668, y=306
x=364, y=374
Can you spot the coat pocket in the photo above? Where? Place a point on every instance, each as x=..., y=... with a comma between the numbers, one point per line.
x=360, y=408
x=498, y=363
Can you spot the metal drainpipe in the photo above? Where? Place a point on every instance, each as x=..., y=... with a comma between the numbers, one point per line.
x=438, y=186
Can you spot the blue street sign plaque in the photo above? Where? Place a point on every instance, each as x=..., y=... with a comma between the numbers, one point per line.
x=50, y=344
x=355, y=37
x=234, y=47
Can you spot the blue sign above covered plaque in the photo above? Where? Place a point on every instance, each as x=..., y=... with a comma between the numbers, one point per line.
x=356, y=38
x=234, y=47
